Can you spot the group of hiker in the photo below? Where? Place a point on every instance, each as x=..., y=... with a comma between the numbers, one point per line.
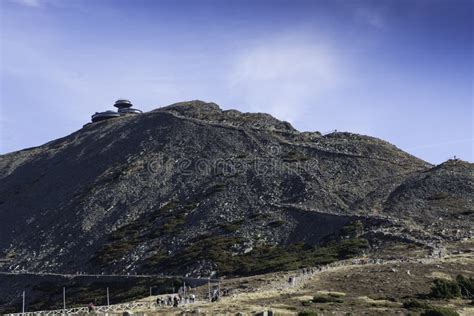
x=175, y=300
x=185, y=297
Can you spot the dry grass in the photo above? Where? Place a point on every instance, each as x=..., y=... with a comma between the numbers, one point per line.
x=359, y=289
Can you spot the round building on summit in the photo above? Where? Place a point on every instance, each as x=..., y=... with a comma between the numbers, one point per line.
x=125, y=107
x=102, y=116
x=121, y=104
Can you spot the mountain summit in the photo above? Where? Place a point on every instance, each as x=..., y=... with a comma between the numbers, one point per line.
x=192, y=189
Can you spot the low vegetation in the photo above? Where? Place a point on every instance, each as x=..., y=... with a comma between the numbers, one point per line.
x=276, y=223
x=81, y=291
x=223, y=251
x=232, y=227
x=466, y=286
x=326, y=299
x=414, y=304
x=352, y=229
x=439, y=311
x=462, y=287
x=163, y=221
x=439, y=196
x=294, y=156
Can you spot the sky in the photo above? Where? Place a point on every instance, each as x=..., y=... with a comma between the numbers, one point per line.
x=398, y=70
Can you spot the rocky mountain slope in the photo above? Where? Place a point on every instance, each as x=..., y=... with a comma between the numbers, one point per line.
x=192, y=189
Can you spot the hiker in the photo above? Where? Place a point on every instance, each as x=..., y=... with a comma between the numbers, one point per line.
x=215, y=295
x=175, y=301
x=193, y=298
x=159, y=301
x=91, y=307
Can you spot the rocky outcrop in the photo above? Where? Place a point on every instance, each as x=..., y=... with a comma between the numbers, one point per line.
x=442, y=198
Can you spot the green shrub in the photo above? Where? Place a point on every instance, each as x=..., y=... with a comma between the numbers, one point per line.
x=307, y=313
x=293, y=156
x=348, y=248
x=414, y=304
x=466, y=286
x=337, y=295
x=173, y=223
x=168, y=207
x=438, y=196
x=232, y=227
x=276, y=223
x=191, y=206
x=439, y=311
x=306, y=303
x=352, y=229
x=326, y=299
x=259, y=216
x=445, y=289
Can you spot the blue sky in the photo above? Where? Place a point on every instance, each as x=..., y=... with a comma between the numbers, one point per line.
x=398, y=70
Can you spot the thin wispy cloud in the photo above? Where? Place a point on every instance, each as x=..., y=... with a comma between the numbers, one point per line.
x=284, y=75
x=42, y=4
x=28, y=3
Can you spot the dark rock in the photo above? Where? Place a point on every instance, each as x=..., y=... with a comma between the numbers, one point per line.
x=125, y=194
